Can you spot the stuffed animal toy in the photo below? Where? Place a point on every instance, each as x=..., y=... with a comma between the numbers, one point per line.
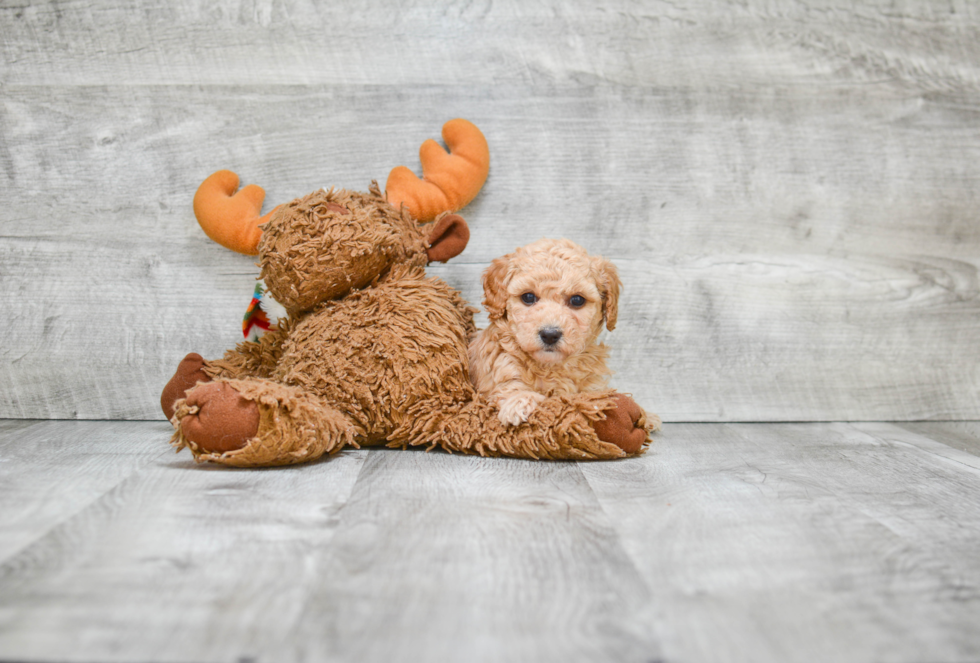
x=371, y=351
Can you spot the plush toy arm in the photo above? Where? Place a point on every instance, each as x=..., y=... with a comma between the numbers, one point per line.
x=255, y=359
x=561, y=428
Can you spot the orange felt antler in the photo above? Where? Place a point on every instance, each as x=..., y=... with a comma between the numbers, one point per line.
x=228, y=216
x=449, y=181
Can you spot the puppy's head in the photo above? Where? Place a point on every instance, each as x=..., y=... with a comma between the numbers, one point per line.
x=552, y=297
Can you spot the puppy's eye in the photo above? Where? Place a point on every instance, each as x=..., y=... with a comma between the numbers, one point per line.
x=529, y=298
x=576, y=301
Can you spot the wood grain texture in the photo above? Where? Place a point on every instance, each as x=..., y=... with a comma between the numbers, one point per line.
x=373, y=42
x=462, y=558
x=449, y=558
x=49, y=473
x=726, y=542
x=176, y=562
x=962, y=435
x=802, y=542
x=790, y=191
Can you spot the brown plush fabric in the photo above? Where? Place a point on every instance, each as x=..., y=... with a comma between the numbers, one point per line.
x=448, y=236
x=252, y=358
x=294, y=427
x=373, y=352
x=622, y=425
x=219, y=418
x=310, y=253
x=561, y=428
x=190, y=371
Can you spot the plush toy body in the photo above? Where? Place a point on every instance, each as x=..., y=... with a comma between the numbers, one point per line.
x=372, y=352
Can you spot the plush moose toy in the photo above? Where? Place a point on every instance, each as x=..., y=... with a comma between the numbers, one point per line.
x=372, y=351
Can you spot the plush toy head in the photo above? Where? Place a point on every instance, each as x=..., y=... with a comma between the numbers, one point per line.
x=323, y=245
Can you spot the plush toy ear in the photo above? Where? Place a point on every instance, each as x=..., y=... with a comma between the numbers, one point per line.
x=495, y=288
x=447, y=238
x=229, y=216
x=607, y=280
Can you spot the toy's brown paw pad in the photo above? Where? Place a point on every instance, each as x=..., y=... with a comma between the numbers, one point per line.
x=190, y=371
x=221, y=419
x=621, y=425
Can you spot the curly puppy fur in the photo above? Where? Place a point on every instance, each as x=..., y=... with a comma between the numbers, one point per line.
x=547, y=302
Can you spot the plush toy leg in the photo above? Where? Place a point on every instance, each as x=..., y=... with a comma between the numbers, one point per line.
x=247, y=359
x=627, y=425
x=190, y=371
x=256, y=422
x=561, y=428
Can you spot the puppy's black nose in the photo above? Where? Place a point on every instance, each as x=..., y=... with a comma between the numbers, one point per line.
x=550, y=335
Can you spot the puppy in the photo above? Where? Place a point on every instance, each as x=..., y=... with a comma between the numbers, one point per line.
x=547, y=303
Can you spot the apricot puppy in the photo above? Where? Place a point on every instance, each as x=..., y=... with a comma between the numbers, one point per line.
x=547, y=303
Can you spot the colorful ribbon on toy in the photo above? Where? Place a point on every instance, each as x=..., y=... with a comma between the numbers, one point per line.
x=262, y=314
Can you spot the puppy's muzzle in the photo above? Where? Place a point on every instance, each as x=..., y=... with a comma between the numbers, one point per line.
x=550, y=336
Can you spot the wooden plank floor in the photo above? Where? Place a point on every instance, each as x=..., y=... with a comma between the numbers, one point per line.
x=727, y=542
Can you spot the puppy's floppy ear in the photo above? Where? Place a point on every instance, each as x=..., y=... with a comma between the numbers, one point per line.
x=495, y=287
x=607, y=280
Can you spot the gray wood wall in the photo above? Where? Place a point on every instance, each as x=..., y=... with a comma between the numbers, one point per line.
x=789, y=189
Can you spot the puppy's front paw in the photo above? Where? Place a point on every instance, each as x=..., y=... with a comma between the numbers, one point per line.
x=514, y=409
